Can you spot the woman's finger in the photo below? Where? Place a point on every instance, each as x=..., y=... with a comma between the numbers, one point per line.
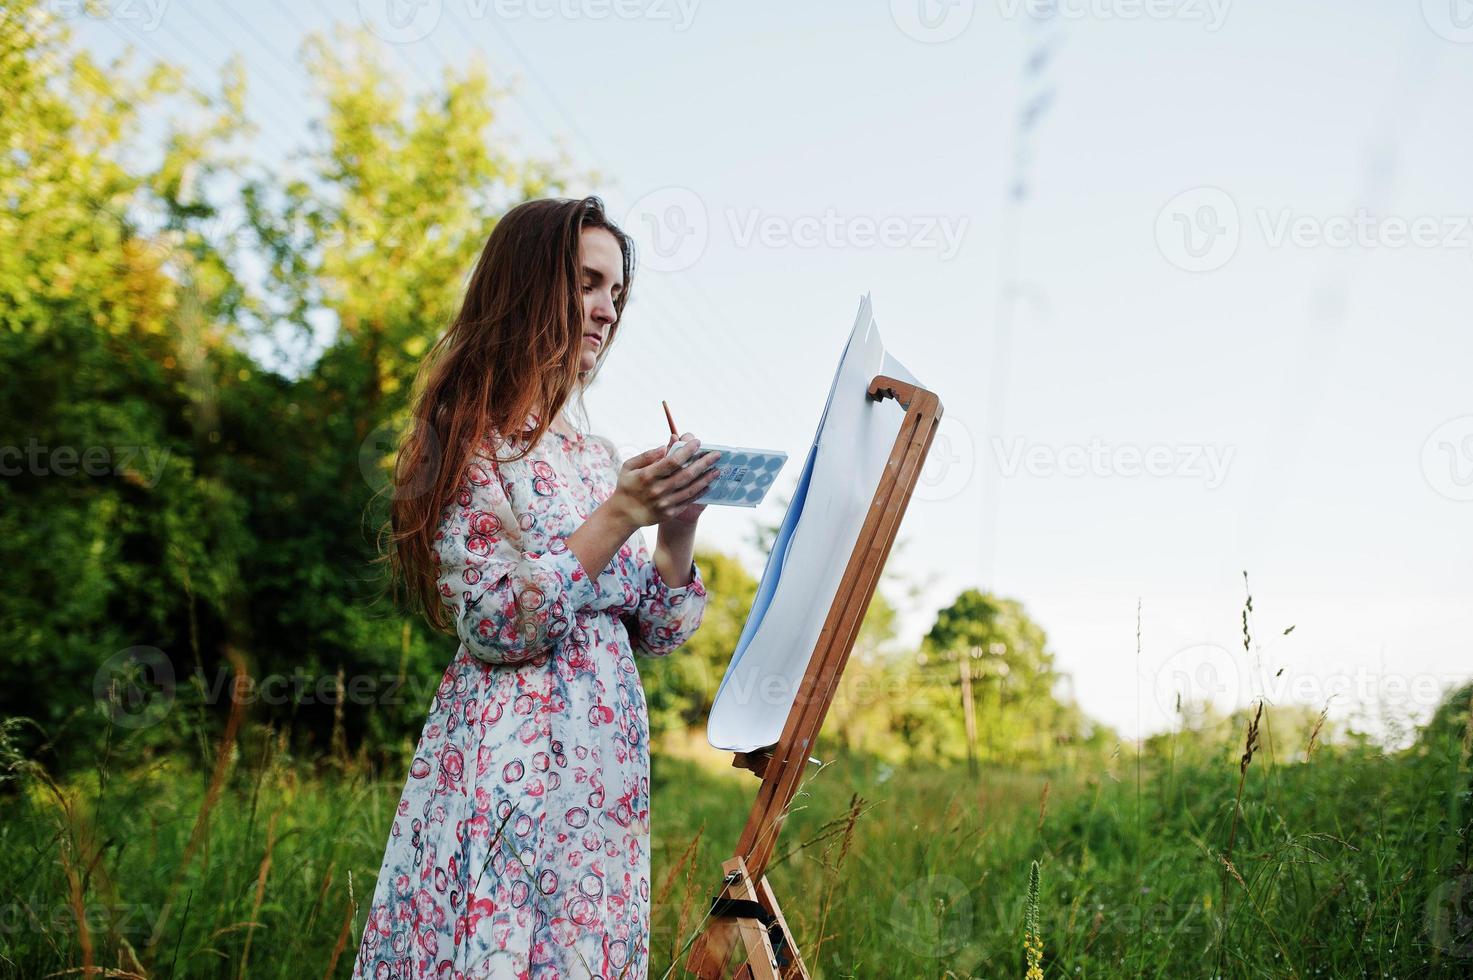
x=677, y=459
x=643, y=459
x=684, y=476
x=694, y=488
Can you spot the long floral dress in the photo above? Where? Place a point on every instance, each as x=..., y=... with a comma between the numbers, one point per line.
x=520, y=847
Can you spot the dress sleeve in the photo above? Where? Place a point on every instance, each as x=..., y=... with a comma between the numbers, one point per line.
x=666, y=617
x=509, y=605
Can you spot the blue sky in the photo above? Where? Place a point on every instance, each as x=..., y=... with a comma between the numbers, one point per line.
x=1225, y=328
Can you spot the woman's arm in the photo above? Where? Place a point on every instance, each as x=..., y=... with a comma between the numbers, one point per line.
x=600, y=537
x=509, y=605
x=670, y=607
x=675, y=548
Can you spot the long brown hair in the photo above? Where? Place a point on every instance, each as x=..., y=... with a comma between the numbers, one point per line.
x=512, y=351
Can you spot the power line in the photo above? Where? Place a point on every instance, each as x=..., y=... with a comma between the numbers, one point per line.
x=226, y=45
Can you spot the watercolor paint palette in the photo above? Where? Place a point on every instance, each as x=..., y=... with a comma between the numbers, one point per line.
x=745, y=474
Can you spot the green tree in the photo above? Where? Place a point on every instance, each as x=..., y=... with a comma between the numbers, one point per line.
x=1021, y=719
x=232, y=503
x=116, y=349
x=680, y=688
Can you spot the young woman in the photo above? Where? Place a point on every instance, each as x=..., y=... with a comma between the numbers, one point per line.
x=520, y=847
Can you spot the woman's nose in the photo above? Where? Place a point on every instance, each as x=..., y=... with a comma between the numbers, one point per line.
x=603, y=311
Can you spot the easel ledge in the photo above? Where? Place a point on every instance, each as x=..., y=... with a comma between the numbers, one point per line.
x=745, y=908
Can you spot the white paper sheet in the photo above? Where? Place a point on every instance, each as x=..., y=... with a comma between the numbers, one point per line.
x=812, y=548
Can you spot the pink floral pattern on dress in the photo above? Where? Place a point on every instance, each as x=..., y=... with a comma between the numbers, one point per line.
x=520, y=847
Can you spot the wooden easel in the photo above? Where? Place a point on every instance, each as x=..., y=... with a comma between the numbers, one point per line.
x=746, y=908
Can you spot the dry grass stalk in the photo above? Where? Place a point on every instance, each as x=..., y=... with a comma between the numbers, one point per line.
x=339, y=731
x=1233, y=871
x=686, y=861
x=321, y=894
x=1467, y=746
x=245, y=954
x=76, y=896
x=1315, y=734
x=856, y=808
x=73, y=836
x=343, y=933
x=1250, y=745
x=690, y=851
x=1043, y=804
x=200, y=833
x=687, y=904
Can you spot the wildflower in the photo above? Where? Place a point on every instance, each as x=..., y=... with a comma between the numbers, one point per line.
x=1032, y=940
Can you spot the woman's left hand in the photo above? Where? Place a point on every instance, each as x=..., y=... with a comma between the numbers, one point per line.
x=685, y=519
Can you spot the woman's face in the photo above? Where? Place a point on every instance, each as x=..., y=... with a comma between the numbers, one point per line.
x=602, y=265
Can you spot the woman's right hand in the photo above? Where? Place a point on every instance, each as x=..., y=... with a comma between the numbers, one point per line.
x=654, y=486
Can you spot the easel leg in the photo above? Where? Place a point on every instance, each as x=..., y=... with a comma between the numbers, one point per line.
x=713, y=948
x=795, y=970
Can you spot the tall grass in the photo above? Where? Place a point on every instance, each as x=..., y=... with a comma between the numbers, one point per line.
x=1355, y=863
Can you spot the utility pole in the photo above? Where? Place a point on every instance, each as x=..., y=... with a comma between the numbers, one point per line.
x=969, y=717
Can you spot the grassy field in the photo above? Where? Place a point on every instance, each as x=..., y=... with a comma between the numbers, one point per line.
x=1353, y=864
